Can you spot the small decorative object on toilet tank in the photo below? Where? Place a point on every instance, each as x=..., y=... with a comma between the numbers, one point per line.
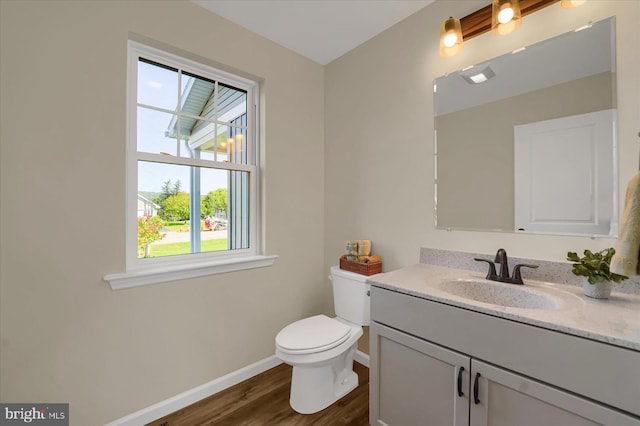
x=351, y=250
x=595, y=268
x=358, y=258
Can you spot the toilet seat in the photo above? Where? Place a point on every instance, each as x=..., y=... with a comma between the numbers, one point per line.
x=311, y=335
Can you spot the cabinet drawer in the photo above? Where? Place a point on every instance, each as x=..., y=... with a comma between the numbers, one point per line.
x=602, y=372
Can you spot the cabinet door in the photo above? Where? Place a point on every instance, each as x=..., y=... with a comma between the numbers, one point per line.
x=413, y=382
x=501, y=398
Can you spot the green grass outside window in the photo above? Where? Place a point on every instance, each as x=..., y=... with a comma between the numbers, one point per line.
x=172, y=249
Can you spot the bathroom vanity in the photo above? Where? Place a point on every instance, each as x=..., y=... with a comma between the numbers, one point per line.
x=451, y=348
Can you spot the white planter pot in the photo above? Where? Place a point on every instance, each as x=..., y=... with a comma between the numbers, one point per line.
x=598, y=290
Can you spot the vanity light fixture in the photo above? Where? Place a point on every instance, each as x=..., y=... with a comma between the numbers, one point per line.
x=450, y=37
x=569, y=4
x=505, y=16
x=482, y=20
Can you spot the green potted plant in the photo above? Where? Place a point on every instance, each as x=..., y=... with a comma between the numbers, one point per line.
x=594, y=267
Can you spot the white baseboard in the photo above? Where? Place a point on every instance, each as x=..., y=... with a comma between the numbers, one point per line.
x=187, y=398
x=191, y=396
x=362, y=358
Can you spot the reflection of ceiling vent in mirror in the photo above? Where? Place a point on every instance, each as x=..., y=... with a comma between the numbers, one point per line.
x=475, y=77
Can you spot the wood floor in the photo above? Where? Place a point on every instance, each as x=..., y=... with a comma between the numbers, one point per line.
x=264, y=400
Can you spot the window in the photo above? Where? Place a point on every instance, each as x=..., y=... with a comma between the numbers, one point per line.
x=192, y=169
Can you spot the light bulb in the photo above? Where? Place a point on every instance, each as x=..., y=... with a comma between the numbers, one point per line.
x=450, y=39
x=505, y=15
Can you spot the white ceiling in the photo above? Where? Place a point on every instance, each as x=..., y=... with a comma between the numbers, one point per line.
x=321, y=30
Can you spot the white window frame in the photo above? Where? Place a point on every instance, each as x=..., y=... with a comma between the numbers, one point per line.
x=155, y=270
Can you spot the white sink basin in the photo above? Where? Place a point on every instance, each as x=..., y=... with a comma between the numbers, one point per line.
x=502, y=294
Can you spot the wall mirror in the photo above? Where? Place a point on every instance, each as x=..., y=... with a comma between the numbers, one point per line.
x=525, y=142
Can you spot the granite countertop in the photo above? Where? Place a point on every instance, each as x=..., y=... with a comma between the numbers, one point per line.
x=615, y=321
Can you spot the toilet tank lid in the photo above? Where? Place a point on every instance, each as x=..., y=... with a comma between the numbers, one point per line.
x=336, y=271
x=317, y=332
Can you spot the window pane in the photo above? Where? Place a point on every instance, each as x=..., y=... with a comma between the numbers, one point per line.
x=202, y=142
x=170, y=220
x=216, y=142
x=157, y=85
x=198, y=99
x=239, y=210
x=238, y=145
x=198, y=96
x=232, y=103
x=224, y=200
x=223, y=143
x=156, y=132
x=214, y=209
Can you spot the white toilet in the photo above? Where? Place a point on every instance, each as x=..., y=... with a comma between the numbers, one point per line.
x=321, y=349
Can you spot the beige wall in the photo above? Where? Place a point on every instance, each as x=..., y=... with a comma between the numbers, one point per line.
x=66, y=336
x=362, y=166
x=482, y=173
x=379, y=131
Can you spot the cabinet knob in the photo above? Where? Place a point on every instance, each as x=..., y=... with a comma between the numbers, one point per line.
x=476, y=400
x=460, y=393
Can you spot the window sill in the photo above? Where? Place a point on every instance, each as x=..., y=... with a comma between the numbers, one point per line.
x=162, y=274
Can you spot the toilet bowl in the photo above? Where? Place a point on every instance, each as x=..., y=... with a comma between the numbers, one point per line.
x=321, y=349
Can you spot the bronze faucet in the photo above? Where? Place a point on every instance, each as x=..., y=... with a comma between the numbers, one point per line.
x=503, y=275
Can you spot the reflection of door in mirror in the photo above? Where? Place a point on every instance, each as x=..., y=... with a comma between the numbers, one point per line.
x=568, y=75
x=564, y=175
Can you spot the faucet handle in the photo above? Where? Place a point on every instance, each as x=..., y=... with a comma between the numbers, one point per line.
x=517, y=278
x=491, y=275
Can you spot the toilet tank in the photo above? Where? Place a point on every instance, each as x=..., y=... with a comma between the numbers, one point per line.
x=350, y=296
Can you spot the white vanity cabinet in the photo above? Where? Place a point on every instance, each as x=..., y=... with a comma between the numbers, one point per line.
x=506, y=399
x=416, y=382
x=434, y=364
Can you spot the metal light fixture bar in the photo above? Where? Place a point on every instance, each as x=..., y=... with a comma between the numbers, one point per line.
x=479, y=22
